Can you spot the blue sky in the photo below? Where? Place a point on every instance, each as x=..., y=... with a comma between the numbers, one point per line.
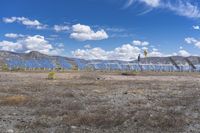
x=101, y=29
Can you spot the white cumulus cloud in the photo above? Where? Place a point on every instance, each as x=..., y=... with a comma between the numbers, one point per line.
x=156, y=53
x=183, y=53
x=25, y=21
x=124, y=52
x=140, y=43
x=196, y=27
x=31, y=43
x=10, y=46
x=84, y=33
x=128, y=52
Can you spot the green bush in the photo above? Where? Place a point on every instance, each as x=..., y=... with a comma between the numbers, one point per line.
x=5, y=67
x=51, y=75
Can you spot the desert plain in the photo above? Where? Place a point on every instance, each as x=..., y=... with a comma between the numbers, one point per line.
x=99, y=102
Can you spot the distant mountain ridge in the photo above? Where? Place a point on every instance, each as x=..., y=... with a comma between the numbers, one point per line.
x=34, y=60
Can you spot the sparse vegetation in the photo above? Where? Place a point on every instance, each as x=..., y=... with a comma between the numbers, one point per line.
x=5, y=67
x=77, y=102
x=51, y=75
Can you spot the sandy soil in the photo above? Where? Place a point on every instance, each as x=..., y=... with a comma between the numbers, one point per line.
x=88, y=102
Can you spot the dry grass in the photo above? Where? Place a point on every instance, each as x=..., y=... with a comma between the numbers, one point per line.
x=168, y=120
x=137, y=91
x=14, y=100
x=90, y=76
x=106, y=119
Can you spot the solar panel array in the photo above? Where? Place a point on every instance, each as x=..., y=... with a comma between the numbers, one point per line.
x=61, y=62
x=34, y=60
x=42, y=63
x=140, y=67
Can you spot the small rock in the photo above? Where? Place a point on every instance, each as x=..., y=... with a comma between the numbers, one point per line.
x=97, y=91
x=10, y=131
x=73, y=127
x=14, y=113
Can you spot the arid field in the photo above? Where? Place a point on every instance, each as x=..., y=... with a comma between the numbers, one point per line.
x=99, y=102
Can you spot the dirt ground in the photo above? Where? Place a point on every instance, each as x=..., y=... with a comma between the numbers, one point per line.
x=95, y=102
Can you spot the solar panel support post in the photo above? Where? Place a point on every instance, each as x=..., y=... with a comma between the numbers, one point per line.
x=191, y=65
x=174, y=63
